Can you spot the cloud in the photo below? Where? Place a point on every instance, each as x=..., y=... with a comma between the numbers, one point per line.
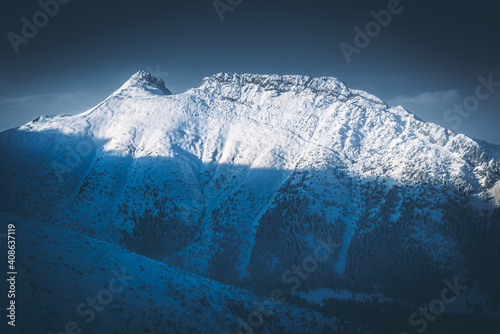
x=16, y=111
x=429, y=106
x=427, y=99
x=42, y=98
x=16, y=100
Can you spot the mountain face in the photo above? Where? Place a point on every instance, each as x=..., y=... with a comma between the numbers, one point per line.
x=239, y=180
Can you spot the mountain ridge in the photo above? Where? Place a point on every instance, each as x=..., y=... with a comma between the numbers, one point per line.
x=216, y=163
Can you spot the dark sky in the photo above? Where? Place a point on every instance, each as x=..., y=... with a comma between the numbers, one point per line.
x=428, y=58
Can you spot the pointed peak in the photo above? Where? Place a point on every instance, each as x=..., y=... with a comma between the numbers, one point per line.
x=146, y=79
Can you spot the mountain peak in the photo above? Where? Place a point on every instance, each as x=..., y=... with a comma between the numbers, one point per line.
x=144, y=79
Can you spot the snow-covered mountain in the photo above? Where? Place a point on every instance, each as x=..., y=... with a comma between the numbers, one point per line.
x=249, y=172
